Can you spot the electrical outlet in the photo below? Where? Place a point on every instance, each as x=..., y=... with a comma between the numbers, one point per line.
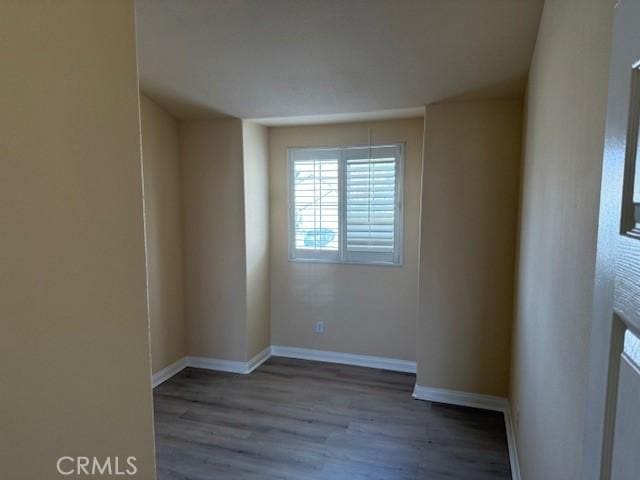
x=319, y=327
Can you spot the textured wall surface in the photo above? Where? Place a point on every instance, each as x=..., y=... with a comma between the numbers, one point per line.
x=367, y=309
x=75, y=379
x=467, y=246
x=566, y=105
x=163, y=227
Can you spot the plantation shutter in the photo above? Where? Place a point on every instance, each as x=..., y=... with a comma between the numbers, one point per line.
x=371, y=203
x=345, y=204
x=316, y=214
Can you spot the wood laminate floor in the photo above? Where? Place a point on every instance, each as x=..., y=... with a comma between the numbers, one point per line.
x=299, y=420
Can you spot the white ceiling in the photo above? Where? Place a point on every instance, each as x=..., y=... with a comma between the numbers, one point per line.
x=295, y=58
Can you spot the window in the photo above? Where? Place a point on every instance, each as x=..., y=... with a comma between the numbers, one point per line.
x=345, y=204
x=632, y=347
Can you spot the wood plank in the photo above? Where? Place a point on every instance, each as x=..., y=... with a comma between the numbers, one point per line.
x=298, y=419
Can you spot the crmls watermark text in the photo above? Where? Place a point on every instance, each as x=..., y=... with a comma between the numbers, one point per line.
x=97, y=466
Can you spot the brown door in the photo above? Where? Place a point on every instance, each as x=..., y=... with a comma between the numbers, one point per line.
x=612, y=441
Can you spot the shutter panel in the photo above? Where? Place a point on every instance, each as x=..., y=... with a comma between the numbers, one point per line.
x=371, y=200
x=316, y=214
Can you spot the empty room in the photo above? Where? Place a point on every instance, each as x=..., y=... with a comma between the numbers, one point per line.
x=320, y=239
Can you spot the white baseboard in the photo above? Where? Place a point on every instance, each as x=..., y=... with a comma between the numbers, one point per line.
x=383, y=363
x=511, y=440
x=477, y=400
x=465, y=399
x=168, y=372
x=211, y=364
x=208, y=363
x=258, y=359
x=231, y=366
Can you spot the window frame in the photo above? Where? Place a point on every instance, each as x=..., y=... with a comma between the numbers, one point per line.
x=342, y=256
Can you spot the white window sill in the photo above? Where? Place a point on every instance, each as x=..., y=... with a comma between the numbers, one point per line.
x=341, y=262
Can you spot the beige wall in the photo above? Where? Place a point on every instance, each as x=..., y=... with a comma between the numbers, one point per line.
x=225, y=201
x=469, y=211
x=367, y=309
x=256, y=202
x=75, y=376
x=562, y=160
x=214, y=238
x=163, y=227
